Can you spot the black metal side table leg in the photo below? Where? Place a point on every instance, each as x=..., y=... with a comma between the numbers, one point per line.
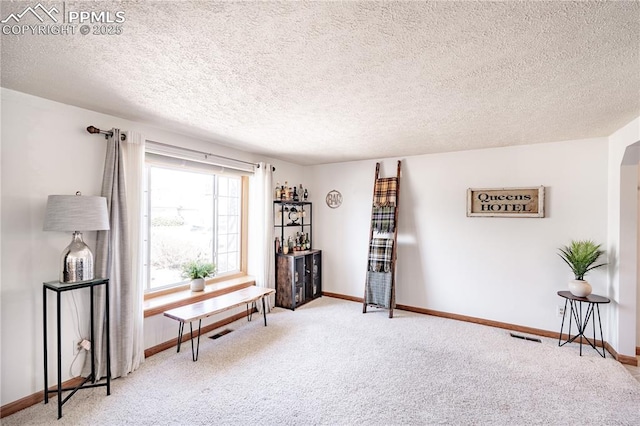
x=601, y=335
x=44, y=334
x=59, y=338
x=564, y=313
x=91, y=336
x=108, y=328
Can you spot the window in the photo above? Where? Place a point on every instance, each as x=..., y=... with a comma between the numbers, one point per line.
x=192, y=212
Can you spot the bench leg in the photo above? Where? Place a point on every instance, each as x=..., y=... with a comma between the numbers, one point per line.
x=180, y=330
x=194, y=353
x=264, y=312
x=250, y=311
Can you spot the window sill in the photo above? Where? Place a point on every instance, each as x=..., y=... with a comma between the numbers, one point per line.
x=157, y=304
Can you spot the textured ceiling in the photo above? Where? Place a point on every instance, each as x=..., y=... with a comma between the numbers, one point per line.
x=325, y=82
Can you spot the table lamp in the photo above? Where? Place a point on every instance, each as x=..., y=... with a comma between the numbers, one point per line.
x=76, y=213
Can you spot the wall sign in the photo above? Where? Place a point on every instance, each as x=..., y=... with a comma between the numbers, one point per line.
x=506, y=202
x=334, y=199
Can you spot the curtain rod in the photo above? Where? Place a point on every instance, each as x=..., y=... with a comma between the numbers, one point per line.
x=93, y=130
x=210, y=154
x=106, y=133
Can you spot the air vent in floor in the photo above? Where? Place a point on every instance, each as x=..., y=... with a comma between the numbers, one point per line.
x=221, y=333
x=532, y=339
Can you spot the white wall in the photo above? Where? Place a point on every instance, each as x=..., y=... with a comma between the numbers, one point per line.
x=621, y=242
x=502, y=269
x=46, y=150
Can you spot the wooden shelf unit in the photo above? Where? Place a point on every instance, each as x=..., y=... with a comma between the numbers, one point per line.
x=298, y=273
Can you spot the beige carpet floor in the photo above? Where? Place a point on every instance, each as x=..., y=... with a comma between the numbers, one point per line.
x=327, y=363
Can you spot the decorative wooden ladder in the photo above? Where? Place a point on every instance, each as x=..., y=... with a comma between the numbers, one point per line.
x=380, y=285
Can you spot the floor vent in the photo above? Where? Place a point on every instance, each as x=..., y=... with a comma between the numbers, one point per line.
x=220, y=334
x=532, y=339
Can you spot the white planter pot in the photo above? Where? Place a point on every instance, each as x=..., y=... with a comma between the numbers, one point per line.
x=580, y=288
x=197, y=284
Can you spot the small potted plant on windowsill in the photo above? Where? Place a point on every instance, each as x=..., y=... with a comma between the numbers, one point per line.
x=197, y=271
x=581, y=256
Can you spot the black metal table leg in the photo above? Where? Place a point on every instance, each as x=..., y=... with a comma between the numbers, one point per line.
x=59, y=357
x=581, y=328
x=571, y=314
x=107, y=315
x=601, y=335
x=44, y=333
x=108, y=328
x=93, y=358
x=564, y=313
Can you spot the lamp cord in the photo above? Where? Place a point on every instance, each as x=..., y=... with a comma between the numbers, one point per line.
x=74, y=309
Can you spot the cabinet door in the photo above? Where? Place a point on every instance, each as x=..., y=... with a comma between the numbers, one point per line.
x=284, y=282
x=298, y=280
x=308, y=277
x=316, y=275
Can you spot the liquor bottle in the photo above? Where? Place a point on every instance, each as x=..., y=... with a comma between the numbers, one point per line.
x=306, y=194
x=285, y=189
x=277, y=194
x=295, y=194
x=307, y=242
x=278, y=248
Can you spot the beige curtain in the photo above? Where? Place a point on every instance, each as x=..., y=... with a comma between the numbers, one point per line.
x=118, y=254
x=261, y=248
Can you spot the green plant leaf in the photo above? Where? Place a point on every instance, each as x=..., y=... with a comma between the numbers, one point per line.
x=198, y=269
x=581, y=256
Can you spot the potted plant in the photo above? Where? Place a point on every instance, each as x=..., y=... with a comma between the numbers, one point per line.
x=197, y=271
x=581, y=257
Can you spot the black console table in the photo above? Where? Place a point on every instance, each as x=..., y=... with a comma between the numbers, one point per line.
x=592, y=313
x=60, y=288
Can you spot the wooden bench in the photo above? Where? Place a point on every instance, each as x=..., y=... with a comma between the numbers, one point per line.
x=199, y=311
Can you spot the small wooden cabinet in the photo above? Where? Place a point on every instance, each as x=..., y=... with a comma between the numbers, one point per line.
x=298, y=278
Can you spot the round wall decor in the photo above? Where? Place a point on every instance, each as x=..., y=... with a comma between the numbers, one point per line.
x=334, y=199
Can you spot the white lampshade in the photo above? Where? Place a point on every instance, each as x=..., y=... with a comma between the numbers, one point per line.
x=76, y=213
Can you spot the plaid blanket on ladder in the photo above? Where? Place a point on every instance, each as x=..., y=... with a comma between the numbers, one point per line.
x=385, y=192
x=378, y=289
x=383, y=219
x=380, y=254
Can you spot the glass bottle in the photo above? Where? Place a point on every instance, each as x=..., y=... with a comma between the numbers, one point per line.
x=306, y=194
